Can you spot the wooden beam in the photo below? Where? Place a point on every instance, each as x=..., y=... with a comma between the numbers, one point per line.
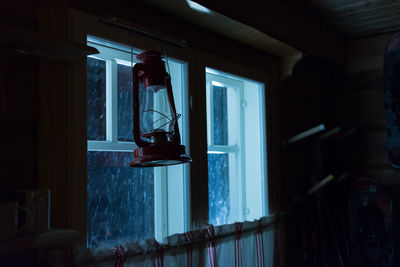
x=285, y=24
x=224, y=26
x=158, y=21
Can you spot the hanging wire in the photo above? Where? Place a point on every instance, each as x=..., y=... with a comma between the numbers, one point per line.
x=176, y=117
x=165, y=55
x=131, y=44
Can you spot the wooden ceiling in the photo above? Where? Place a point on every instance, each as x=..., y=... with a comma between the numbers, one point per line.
x=353, y=18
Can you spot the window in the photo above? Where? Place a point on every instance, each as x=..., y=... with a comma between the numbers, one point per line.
x=236, y=148
x=127, y=203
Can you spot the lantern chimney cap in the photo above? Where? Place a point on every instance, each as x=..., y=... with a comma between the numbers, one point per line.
x=149, y=56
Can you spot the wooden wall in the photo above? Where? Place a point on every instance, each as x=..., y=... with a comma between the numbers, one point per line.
x=360, y=106
x=356, y=102
x=18, y=115
x=18, y=105
x=41, y=143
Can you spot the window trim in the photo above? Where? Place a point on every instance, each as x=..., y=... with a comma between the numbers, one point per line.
x=238, y=183
x=111, y=56
x=234, y=151
x=198, y=59
x=164, y=188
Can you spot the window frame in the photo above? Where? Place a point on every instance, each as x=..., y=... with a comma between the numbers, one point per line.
x=165, y=189
x=198, y=59
x=238, y=183
x=109, y=55
x=232, y=150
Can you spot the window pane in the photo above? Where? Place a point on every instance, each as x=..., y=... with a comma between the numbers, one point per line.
x=220, y=116
x=96, y=99
x=218, y=188
x=120, y=199
x=236, y=148
x=125, y=103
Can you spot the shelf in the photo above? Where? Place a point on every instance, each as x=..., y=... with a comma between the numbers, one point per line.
x=47, y=239
x=15, y=43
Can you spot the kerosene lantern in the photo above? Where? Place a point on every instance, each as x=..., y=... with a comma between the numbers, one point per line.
x=155, y=121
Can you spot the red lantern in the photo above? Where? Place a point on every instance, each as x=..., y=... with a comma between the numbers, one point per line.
x=155, y=121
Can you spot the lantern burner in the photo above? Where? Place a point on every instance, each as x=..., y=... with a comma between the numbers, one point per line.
x=158, y=136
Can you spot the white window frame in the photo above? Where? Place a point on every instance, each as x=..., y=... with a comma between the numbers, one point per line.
x=111, y=56
x=238, y=195
x=197, y=58
x=169, y=191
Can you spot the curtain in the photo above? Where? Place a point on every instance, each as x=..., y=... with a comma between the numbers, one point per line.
x=233, y=245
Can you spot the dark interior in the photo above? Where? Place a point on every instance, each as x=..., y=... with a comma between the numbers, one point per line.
x=325, y=62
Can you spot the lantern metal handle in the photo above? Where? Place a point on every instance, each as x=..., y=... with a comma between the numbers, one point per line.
x=136, y=116
x=176, y=116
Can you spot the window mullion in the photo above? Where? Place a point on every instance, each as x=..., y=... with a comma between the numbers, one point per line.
x=111, y=101
x=223, y=149
x=210, y=112
x=160, y=203
x=264, y=172
x=234, y=189
x=241, y=155
x=110, y=146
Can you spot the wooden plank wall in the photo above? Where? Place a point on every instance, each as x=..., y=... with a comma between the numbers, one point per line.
x=18, y=115
x=19, y=128
x=18, y=104
x=360, y=106
x=34, y=138
x=306, y=98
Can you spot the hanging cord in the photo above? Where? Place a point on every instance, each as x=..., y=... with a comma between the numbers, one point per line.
x=166, y=56
x=176, y=115
x=131, y=44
